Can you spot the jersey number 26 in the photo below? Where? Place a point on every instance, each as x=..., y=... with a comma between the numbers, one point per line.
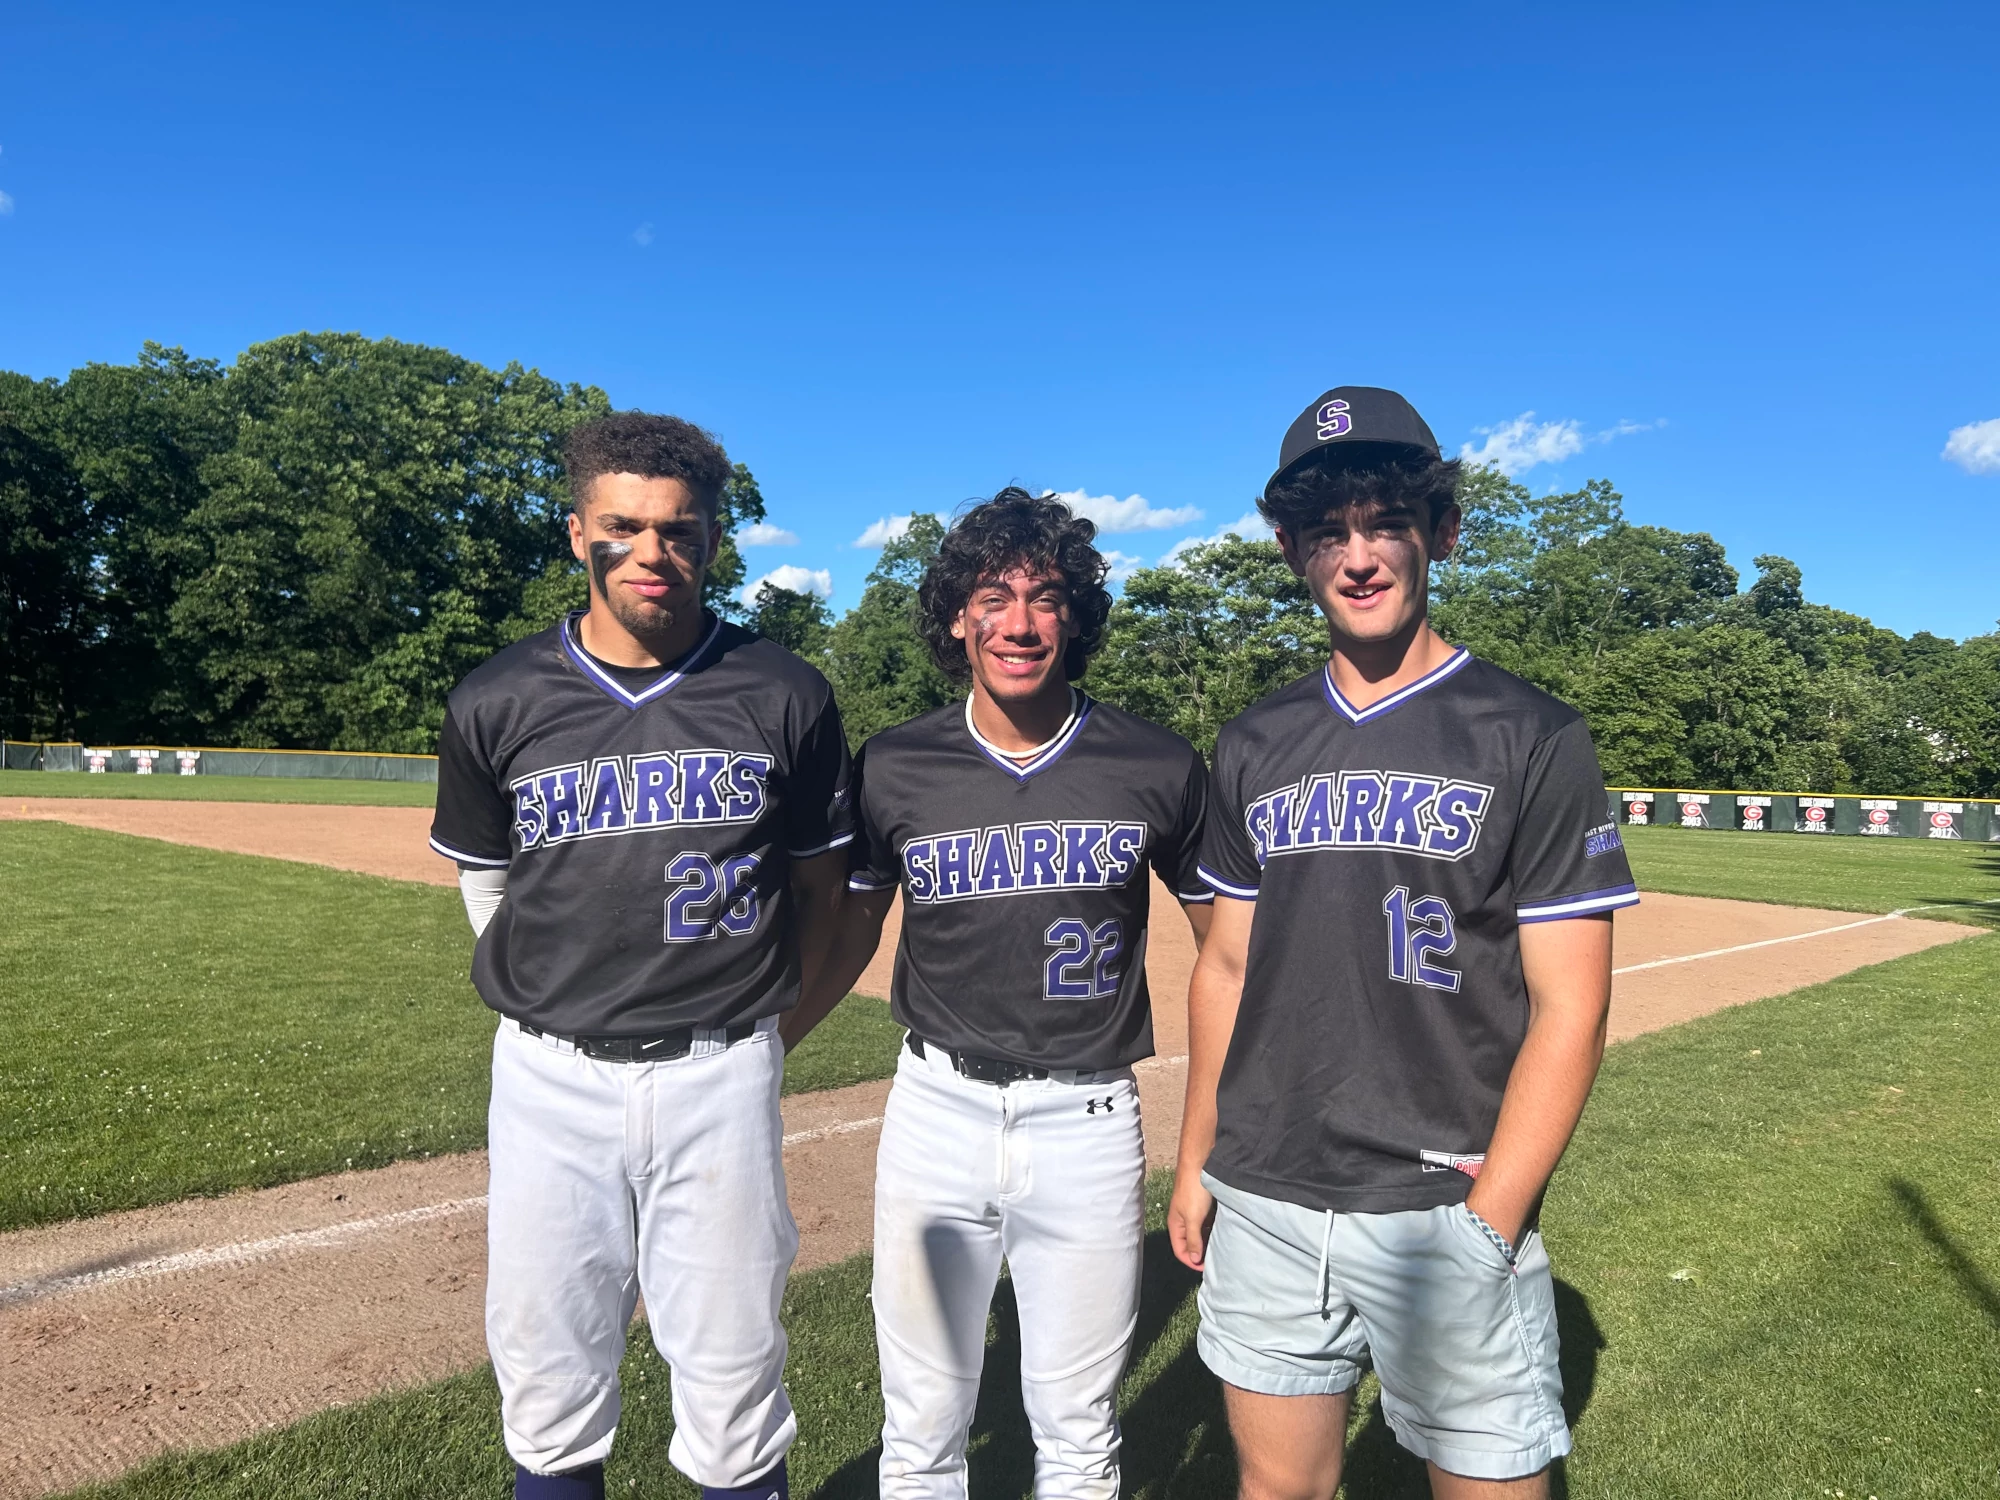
x=711, y=897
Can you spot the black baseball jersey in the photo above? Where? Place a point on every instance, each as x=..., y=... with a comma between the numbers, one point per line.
x=1393, y=853
x=1024, y=886
x=647, y=821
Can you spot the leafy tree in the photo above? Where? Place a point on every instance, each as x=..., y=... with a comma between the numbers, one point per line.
x=370, y=526
x=137, y=437
x=47, y=616
x=880, y=668
x=1192, y=646
x=799, y=622
x=742, y=503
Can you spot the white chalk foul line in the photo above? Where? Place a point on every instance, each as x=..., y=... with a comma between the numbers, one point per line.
x=1795, y=937
x=242, y=1253
x=248, y=1251
x=821, y=1132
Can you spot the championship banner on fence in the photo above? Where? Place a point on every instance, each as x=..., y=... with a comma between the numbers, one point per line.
x=1637, y=806
x=1879, y=817
x=1694, y=809
x=142, y=761
x=1944, y=820
x=1815, y=815
x=1753, y=814
x=189, y=762
x=97, y=761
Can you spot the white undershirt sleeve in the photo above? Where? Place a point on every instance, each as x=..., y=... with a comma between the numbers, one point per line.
x=482, y=890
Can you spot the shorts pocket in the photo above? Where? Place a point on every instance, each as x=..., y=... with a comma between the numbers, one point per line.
x=1484, y=1240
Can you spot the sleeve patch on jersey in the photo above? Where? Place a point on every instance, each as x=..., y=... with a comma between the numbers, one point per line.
x=1582, y=905
x=1601, y=840
x=1240, y=892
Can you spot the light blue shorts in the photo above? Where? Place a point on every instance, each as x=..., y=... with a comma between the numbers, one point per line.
x=1297, y=1302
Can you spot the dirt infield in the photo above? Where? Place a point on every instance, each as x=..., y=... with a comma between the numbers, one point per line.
x=202, y=1322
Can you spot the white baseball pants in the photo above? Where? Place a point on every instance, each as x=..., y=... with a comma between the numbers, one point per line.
x=609, y=1179
x=1050, y=1175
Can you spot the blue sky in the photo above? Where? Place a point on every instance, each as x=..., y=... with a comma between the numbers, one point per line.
x=1743, y=261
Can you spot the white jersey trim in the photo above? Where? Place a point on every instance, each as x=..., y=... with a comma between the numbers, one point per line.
x=616, y=689
x=845, y=838
x=1582, y=905
x=1402, y=695
x=1046, y=754
x=1240, y=892
x=469, y=859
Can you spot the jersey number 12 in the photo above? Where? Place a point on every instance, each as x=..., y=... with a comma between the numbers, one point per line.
x=1418, y=930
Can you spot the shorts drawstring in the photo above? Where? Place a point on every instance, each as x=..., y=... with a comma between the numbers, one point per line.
x=1326, y=1269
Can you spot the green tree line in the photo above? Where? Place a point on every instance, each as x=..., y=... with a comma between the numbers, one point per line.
x=309, y=546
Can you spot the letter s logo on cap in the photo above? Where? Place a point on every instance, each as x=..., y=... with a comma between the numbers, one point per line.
x=1333, y=420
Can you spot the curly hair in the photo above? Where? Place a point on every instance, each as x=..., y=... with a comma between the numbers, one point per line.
x=1014, y=530
x=1308, y=493
x=653, y=447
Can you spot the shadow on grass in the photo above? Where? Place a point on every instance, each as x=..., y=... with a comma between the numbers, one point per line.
x=1176, y=1435
x=1986, y=860
x=1974, y=1282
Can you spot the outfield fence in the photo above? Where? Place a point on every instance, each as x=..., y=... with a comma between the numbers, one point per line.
x=208, y=760
x=1972, y=818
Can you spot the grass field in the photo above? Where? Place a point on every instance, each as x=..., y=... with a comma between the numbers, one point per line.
x=183, y=1022
x=201, y=1022
x=1846, y=874
x=1775, y=1238
x=218, y=788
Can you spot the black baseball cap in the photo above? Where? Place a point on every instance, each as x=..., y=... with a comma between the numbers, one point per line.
x=1354, y=427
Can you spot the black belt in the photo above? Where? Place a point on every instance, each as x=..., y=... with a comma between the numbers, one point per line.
x=661, y=1047
x=997, y=1070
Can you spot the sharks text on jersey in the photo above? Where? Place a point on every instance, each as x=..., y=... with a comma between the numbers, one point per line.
x=638, y=793
x=1022, y=858
x=1402, y=811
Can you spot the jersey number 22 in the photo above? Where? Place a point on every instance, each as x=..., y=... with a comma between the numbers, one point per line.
x=1086, y=964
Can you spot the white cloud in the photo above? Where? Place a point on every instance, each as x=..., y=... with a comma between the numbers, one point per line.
x=764, y=534
x=6, y=204
x=1133, y=513
x=643, y=235
x=881, y=533
x=799, y=580
x=1122, y=565
x=1250, y=526
x=1520, y=445
x=1517, y=446
x=1975, y=447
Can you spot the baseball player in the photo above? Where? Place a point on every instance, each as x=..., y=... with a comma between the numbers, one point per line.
x=1019, y=826
x=648, y=806
x=1400, y=1007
